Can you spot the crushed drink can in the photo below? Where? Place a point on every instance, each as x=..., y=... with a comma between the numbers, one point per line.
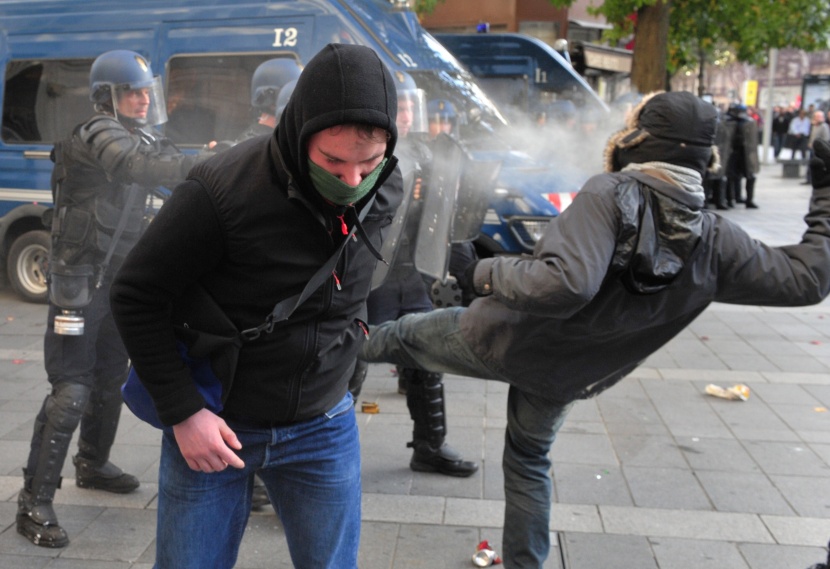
x=485, y=555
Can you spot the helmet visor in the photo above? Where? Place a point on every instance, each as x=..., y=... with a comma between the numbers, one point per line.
x=412, y=116
x=144, y=105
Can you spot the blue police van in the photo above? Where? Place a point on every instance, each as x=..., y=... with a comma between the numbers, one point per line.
x=206, y=52
x=522, y=73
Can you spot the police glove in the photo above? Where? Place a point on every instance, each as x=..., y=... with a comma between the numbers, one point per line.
x=481, y=287
x=820, y=164
x=465, y=279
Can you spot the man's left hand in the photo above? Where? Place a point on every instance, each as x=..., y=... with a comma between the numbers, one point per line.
x=205, y=441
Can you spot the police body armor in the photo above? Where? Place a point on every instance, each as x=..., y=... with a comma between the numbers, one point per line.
x=96, y=217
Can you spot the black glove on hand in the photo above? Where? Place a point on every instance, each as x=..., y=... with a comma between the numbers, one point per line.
x=466, y=282
x=820, y=164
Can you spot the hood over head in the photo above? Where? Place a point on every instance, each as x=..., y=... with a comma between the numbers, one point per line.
x=675, y=127
x=342, y=84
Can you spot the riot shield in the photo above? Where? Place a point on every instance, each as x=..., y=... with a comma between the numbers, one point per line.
x=458, y=193
x=432, y=248
x=411, y=173
x=478, y=182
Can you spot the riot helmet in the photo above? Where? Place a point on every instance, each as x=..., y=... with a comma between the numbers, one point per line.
x=442, y=117
x=121, y=82
x=268, y=79
x=284, y=97
x=411, y=118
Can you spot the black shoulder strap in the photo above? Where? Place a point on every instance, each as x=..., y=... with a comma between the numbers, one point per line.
x=284, y=308
x=122, y=224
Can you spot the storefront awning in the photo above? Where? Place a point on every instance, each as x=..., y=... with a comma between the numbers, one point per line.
x=605, y=58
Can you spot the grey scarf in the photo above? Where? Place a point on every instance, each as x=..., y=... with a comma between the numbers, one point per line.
x=688, y=179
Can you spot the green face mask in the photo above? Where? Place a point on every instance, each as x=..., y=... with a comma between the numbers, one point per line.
x=339, y=192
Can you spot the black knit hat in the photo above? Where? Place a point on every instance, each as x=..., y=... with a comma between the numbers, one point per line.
x=674, y=127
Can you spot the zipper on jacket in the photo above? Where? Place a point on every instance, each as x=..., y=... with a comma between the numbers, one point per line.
x=336, y=279
x=343, y=227
x=363, y=327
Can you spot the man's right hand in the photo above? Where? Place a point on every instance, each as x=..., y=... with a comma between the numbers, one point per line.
x=820, y=164
x=205, y=441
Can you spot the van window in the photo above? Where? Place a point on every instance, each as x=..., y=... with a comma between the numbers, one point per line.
x=209, y=97
x=44, y=99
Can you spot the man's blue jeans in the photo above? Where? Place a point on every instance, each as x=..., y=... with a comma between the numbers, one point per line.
x=433, y=341
x=312, y=472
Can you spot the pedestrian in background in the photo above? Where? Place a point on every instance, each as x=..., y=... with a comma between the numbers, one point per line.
x=632, y=262
x=819, y=131
x=799, y=134
x=781, y=118
x=741, y=156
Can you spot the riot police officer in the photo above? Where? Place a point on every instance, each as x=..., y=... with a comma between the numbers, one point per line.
x=404, y=291
x=442, y=117
x=266, y=82
x=104, y=177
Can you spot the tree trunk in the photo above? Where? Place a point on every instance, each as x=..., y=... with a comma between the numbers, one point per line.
x=648, y=67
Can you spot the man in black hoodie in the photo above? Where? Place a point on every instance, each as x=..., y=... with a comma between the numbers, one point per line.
x=252, y=226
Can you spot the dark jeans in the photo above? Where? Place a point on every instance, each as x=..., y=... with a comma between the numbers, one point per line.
x=433, y=341
x=312, y=472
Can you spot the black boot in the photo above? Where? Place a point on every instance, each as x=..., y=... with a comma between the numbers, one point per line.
x=750, y=193
x=99, y=423
x=54, y=425
x=425, y=399
x=444, y=460
x=719, y=193
x=37, y=522
x=107, y=477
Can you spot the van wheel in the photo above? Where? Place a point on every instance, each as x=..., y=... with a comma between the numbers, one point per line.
x=26, y=266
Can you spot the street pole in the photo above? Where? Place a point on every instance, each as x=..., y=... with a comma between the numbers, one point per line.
x=773, y=62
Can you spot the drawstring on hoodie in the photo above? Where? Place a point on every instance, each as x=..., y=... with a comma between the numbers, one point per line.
x=358, y=230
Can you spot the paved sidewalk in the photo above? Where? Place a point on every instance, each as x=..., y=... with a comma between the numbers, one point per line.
x=651, y=474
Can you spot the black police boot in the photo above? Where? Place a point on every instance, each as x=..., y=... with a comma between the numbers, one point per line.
x=425, y=399
x=103, y=476
x=54, y=426
x=93, y=470
x=36, y=519
x=444, y=460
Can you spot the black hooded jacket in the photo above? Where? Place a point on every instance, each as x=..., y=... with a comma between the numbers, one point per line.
x=249, y=226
